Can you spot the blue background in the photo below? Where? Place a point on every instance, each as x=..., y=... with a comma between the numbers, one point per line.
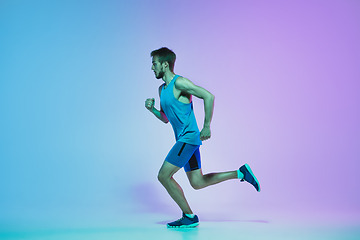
x=76, y=141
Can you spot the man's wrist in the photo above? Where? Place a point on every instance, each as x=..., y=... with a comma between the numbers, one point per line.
x=206, y=125
x=154, y=111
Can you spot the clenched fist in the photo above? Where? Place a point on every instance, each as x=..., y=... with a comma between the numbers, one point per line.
x=205, y=134
x=149, y=103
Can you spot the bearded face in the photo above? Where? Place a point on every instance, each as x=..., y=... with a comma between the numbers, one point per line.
x=157, y=67
x=159, y=74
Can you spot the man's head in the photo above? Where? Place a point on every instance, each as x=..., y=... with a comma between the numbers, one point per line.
x=163, y=60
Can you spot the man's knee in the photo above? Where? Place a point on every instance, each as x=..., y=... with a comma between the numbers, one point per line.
x=160, y=177
x=163, y=177
x=196, y=184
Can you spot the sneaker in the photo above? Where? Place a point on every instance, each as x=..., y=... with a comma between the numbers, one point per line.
x=249, y=176
x=184, y=222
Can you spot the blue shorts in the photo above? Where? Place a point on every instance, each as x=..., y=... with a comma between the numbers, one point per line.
x=185, y=155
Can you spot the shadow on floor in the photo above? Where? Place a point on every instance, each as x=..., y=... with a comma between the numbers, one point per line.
x=254, y=221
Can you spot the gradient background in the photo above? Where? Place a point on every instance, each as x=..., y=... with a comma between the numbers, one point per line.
x=76, y=141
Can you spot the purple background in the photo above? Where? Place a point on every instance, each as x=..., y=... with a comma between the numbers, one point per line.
x=77, y=141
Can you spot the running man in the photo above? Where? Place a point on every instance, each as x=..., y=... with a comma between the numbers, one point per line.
x=176, y=107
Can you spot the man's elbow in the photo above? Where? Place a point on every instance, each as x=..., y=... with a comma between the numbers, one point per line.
x=211, y=97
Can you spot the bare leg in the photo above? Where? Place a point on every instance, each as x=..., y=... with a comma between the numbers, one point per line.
x=173, y=188
x=198, y=180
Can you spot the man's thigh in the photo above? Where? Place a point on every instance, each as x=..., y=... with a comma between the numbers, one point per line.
x=167, y=170
x=181, y=153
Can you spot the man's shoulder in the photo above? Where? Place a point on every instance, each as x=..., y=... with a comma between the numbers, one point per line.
x=181, y=78
x=160, y=88
x=161, y=85
x=181, y=81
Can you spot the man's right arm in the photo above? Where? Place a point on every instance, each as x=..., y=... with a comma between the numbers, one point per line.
x=149, y=104
x=159, y=114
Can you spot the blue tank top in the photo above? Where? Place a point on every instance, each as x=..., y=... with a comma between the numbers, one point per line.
x=180, y=115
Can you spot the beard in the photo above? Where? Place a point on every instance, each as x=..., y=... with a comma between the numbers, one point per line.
x=160, y=75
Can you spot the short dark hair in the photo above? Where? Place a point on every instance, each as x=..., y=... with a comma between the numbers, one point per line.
x=165, y=55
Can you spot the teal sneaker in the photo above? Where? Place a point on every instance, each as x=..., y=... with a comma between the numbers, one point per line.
x=184, y=222
x=249, y=176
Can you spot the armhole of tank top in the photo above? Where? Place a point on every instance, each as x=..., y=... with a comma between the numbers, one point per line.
x=178, y=99
x=176, y=78
x=161, y=88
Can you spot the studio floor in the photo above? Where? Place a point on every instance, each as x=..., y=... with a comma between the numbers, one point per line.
x=153, y=226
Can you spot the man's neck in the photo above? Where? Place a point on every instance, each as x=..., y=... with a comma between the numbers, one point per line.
x=168, y=76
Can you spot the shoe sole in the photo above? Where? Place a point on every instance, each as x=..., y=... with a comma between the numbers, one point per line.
x=185, y=226
x=252, y=174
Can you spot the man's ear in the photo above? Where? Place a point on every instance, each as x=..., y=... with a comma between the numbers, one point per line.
x=165, y=64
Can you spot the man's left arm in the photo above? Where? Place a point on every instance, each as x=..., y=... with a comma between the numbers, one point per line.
x=186, y=86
